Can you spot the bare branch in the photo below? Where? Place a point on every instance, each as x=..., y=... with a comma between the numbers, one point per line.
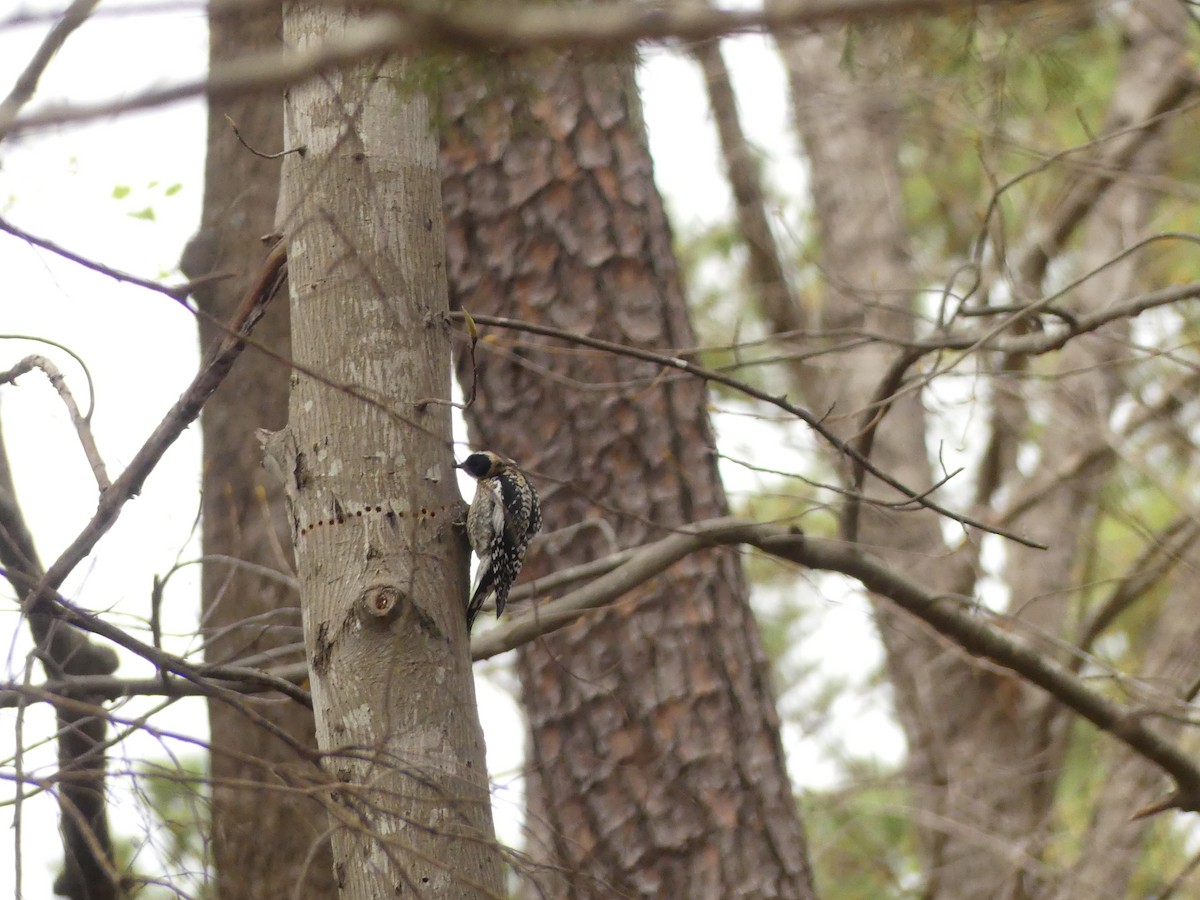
x=185, y=410
x=177, y=293
x=64, y=612
x=82, y=427
x=94, y=688
x=950, y=615
x=76, y=14
x=1037, y=343
x=87, y=850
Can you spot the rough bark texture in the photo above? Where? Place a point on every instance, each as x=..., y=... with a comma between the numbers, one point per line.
x=264, y=842
x=373, y=494
x=984, y=749
x=655, y=766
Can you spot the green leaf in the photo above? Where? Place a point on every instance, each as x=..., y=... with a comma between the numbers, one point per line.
x=146, y=214
x=121, y=191
x=173, y=189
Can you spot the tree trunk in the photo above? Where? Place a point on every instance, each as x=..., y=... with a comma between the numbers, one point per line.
x=374, y=499
x=265, y=841
x=655, y=765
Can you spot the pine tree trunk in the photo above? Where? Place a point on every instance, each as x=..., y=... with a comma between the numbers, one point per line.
x=655, y=765
x=382, y=565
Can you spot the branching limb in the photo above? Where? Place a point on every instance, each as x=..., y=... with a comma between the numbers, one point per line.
x=83, y=427
x=212, y=372
x=402, y=27
x=87, y=848
x=951, y=616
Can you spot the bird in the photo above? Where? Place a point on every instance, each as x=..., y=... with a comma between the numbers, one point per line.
x=503, y=517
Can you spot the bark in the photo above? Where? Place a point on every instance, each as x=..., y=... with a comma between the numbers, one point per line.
x=655, y=765
x=265, y=841
x=374, y=500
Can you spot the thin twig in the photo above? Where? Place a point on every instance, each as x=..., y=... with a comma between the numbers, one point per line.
x=237, y=132
x=813, y=422
x=87, y=373
x=178, y=293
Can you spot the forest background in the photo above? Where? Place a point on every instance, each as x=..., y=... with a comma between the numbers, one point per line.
x=988, y=241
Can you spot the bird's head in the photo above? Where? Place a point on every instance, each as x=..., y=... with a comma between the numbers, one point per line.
x=484, y=464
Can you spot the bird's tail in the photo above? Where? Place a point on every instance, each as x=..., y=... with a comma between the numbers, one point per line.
x=485, y=580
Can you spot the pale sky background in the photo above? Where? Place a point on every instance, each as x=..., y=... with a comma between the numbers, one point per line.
x=142, y=351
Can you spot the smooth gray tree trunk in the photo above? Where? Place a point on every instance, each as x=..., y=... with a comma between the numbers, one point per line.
x=368, y=457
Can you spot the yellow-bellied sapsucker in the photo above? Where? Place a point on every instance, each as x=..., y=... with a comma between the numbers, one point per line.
x=503, y=517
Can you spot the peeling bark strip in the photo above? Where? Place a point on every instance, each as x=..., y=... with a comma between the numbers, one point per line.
x=382, y=595
x=655, y=764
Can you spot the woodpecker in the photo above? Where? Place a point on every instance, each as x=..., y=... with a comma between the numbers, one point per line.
x=504, y=516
